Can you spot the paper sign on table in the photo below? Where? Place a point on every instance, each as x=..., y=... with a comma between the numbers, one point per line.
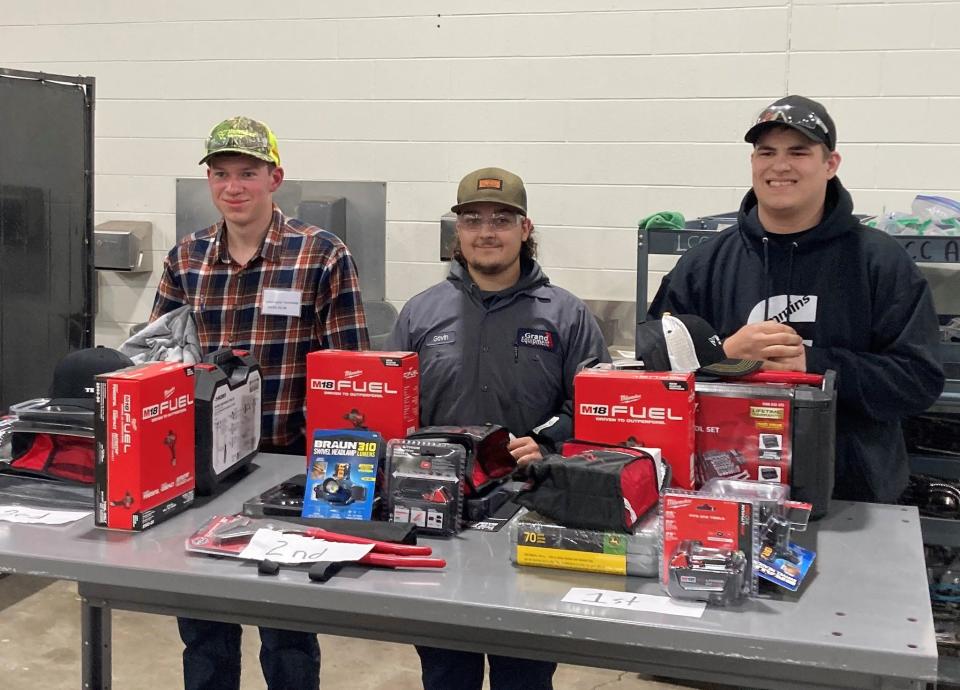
x=280, y=547
x=634, y=602
x=39, y=516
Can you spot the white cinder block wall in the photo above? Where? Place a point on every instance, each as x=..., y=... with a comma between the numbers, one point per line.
x=609, y=110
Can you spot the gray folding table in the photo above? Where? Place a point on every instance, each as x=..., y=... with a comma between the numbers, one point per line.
x=862, y=620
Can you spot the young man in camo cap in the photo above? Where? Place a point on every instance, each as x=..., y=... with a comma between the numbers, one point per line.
x=280, y=288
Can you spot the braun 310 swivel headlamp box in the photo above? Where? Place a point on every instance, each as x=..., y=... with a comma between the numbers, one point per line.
x=144, y=429
x=368, y=391
x=639, y=408
x=342, y=474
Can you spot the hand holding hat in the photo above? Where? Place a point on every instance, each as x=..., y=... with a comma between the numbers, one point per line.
x=766, y=340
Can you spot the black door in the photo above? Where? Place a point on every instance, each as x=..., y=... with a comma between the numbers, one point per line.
x=46, y=201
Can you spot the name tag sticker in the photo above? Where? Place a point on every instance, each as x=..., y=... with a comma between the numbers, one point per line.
x=277, y=302
x=445, y=338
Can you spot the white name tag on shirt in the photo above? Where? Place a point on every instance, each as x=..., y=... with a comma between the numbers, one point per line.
x=278, y=302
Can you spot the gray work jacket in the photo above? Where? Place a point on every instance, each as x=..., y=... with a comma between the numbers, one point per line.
x=510, y=361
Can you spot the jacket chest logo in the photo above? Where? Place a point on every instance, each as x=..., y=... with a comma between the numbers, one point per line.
x=543, y=340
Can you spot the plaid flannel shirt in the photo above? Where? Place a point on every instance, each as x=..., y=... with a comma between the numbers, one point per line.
x=226, y=300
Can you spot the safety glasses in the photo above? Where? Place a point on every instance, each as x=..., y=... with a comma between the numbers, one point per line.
x=792, y=115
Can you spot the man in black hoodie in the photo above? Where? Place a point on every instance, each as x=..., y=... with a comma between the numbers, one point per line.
x=799, y=283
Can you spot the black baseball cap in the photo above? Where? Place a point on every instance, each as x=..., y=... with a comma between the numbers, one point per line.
x=803, y=114
x=687, y=343
x=74, y=378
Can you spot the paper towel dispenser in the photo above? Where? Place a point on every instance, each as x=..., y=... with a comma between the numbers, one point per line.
x=119, y=245
x=448, y=235
x=327, y=212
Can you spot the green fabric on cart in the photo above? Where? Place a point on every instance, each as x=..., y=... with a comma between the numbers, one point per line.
x=664, y=220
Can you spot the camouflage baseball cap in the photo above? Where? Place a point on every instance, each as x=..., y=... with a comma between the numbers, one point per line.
x=243, y=135
x=494, y=185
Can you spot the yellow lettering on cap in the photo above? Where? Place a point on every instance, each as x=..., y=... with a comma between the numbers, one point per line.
x=489, y=183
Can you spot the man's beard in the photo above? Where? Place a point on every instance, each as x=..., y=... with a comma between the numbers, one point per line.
x=489, y=268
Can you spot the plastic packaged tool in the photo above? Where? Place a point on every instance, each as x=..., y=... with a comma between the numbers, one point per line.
x=710, y=545
x=766, y=497
x=425, y=484
x=539, y=541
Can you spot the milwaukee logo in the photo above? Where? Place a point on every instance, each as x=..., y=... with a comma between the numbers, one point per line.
x=352, y=374
x=351, y=386
x=629, y=412
x=181, y=402
x=169, y=391
x=630, y=398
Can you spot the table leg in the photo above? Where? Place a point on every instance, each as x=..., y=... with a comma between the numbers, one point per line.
x=95, y=635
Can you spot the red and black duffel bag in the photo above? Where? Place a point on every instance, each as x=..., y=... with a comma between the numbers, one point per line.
x=597, y=487
x=56, y=456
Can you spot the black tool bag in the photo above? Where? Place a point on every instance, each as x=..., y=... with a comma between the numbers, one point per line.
x=595, y=489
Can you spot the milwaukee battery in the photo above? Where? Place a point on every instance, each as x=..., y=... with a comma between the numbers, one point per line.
x=640, y=408
x=373, y=391
x=144, y=431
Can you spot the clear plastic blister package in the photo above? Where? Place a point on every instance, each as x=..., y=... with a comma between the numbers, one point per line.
x=766, y=497
x=425, y=485
x=709, y=547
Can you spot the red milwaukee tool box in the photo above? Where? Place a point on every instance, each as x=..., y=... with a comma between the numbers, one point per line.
x=643, y=408
x=144, y=430
x=375, y=391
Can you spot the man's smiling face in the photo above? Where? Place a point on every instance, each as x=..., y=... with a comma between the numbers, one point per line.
x=790, y=172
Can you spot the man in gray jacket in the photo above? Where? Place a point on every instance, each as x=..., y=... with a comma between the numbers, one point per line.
x=497, y=343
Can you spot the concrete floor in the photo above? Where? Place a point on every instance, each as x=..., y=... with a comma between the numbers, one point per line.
x=40, y=648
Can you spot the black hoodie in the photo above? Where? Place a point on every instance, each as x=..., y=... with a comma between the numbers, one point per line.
x=860, y=304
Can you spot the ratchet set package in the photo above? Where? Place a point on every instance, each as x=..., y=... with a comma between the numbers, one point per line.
x=228, y=412
x=144, y=431
x=777, y=427
x=425, y=484
x=342, y=474
x=367, y=391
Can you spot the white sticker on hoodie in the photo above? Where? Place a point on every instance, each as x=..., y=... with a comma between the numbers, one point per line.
x=800, y=308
